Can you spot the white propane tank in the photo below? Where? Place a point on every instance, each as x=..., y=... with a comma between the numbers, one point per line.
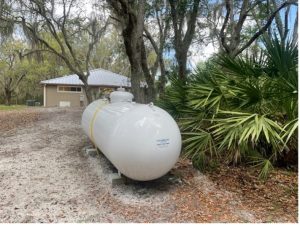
x=142, y=141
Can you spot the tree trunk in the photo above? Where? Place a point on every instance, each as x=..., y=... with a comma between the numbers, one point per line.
x=133, y=50
x=182, y=41
x=181, y=60
x=87, y=89
x=7, y=96
x=136, y=73
x=131, y=16
x=163, y=79
x=150, y=91
x=133, y=38
x=158, y=62
x=88, y=93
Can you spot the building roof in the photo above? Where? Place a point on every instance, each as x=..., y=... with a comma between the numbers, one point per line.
x=98, y=77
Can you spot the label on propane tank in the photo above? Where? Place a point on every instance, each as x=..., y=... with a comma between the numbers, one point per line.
x=163, y=143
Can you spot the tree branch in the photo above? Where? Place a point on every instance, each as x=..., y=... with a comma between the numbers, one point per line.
x=95, y=38
x=222, y=31
x=150, y=38
x=191, y=25
x=265, y=27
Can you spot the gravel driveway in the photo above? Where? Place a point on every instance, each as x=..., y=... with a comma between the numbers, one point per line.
x=45, y=176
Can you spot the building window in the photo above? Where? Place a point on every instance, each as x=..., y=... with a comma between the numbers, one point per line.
x=69, y=89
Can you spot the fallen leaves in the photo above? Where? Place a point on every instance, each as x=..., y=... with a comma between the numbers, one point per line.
x=10, y=120
x=275, y=200
x=225, y=195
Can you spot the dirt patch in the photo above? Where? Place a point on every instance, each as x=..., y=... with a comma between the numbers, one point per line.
x=45, y=176
x=10, y=120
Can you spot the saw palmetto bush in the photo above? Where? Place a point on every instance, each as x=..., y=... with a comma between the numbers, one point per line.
x=240, y=110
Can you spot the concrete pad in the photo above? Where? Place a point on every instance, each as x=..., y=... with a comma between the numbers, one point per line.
x=92, y=152
x=116, y=179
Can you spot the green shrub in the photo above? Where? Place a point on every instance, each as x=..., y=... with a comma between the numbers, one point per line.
x=239, y=110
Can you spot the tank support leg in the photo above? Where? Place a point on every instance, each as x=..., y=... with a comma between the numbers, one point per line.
x=91, y=151
x=116, y=179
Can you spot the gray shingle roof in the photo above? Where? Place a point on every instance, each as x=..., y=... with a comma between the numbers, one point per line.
x=98, y=77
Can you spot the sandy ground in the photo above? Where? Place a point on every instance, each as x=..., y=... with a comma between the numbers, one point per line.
x=46, y=176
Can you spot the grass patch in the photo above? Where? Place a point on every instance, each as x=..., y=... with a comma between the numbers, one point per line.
x=12, y=107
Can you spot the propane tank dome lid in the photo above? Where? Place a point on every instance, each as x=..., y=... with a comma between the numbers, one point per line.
x=121, y=95
x=120, y=89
